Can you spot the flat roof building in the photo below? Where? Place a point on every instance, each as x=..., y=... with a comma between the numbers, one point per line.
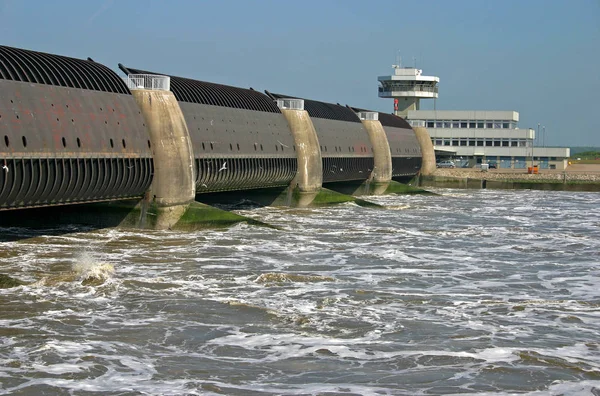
x=470, y=137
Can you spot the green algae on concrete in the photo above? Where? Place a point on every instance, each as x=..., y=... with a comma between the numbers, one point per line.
x=400, y=188
x=285, y=197
x=330, y=197
x=6, y=282
x=200, y=216
x=195, y=217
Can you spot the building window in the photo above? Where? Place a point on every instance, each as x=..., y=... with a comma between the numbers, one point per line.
x=472, y=125
x=522, y=143
x=439, y=124
x=497, y=125
x=505, y=125
x=489, y=125
x=463, y=124
x=480, y=125
x=489, y=142
x=497, y=143
x=455, y=124
x=471, y=142
x=446, y=124
x=513, y=143
x=438, y=142
x=463, y=142
x=479, y=142
x=504, y=142
x=446, y=142
x=430, y=124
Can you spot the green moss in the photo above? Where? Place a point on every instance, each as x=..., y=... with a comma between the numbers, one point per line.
x=399, y=188
x=199, y=216
x=330, y=197
x=7, y=282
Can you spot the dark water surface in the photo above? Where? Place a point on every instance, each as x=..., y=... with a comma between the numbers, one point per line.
x=472, y=292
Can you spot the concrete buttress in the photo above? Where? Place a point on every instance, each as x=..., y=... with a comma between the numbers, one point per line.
x=427, y=151
x=173, y=184
x=309, y=179
x=382, y=170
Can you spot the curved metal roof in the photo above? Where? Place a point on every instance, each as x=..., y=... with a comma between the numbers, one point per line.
x=38, y=67
x=389, y=120
x=195, y=91
x=393, y=121
x=326, y=110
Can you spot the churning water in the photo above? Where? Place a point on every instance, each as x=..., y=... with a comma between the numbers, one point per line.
x=470, y=292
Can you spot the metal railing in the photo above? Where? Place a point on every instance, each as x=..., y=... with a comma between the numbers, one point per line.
x=368, y=115
x=408, y=88
x=148, y=81
x=290, y=104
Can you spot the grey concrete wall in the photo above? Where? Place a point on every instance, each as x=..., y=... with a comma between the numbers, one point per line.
x=382, y=171
x=427, y=151
x=173, y=182
x=310, y=167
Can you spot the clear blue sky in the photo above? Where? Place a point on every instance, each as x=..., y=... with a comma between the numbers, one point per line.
x=538, y=57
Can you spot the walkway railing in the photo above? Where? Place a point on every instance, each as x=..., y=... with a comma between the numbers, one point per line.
x=368, y=115
x=152, y=82
x=290, y=104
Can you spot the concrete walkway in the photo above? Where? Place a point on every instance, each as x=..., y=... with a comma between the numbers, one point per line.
x=575, y=172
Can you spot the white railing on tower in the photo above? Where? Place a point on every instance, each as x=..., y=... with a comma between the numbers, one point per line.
x=290, y=104
x=153, y=82
x=368, y=115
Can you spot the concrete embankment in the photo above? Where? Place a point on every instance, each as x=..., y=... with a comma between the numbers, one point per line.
x=575, y=178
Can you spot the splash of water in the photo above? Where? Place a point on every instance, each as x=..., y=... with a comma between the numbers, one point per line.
x=91, y=271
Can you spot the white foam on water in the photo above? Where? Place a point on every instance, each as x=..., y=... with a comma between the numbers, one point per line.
x=436, y=295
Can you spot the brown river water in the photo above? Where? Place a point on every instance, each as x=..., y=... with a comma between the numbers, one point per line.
x=470, y=292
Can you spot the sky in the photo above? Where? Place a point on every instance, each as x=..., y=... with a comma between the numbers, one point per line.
x=538, y=57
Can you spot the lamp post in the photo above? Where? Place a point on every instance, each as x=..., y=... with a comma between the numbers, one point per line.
x=538, y=136
x=544, y=135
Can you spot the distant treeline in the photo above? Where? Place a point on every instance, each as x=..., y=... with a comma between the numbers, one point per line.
x=578, y=150
x=586, y=155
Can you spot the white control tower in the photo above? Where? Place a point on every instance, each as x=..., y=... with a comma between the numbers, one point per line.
x=407, y=86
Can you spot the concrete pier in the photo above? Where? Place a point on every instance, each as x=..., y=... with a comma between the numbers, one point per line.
x=382, y=171
x=309, y=179
x=427, y=151
x=173, y=184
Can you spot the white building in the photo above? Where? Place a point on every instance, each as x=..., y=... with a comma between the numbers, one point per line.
x=407, y=86
x=469, y=137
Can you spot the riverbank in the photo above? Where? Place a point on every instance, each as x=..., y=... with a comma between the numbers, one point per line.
x=579, y=177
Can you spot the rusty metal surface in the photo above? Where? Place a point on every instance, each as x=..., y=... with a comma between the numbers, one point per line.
x=57, y=121
x=256, y=147
x=65, y=145
x=237, y=133
x=239, y=137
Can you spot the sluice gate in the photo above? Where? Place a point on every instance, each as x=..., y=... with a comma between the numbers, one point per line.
x=73, y=131
x=70, y=132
